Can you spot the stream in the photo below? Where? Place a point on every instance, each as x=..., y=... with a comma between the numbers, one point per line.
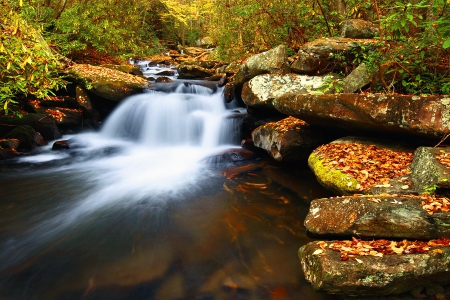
x=152, y=207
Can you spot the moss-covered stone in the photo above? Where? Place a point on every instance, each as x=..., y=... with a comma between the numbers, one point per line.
x=332, y=179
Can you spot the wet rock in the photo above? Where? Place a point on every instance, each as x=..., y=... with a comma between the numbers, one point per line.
x=373, y=276
x=42, y=123
x=84, y=102
x=262, y=90
x=272, y=61
x=106, y=83
x=427, y=173
x=61, y=145
x=228, y=92
x=231, y=156
x=186, y=71
x=335, y=180
x=426, y=116
x=8, y=148
x=317, y=57
x=287, y=140
x=222, y=80
x=27, y=137
x=382, y=216
x=358, y=29
x=163, y=79
x=166, y=73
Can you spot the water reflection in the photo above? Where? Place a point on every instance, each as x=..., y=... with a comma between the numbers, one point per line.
x=234, y=236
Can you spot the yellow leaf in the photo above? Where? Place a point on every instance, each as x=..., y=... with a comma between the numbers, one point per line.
x=2, y=48
x=46, y=68
x=5, y=106
x=20, y=3
x=437, y=251
x=8, y=66
x=317, y=252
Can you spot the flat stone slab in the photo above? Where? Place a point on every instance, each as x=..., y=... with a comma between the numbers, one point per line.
x=427, y=116
x=371, y=276
x=376, y=216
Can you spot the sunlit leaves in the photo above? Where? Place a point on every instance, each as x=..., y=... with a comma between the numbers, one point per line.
x=350, y=249
x=368, y=164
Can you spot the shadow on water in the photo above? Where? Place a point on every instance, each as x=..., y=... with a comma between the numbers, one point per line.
x=130, y=213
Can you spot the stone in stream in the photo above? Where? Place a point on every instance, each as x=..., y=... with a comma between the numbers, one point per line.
x=371, y=276
x=392, y=217
x=287, y=140
x=27, y=137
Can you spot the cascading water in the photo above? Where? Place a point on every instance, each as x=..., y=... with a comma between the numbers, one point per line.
x=136, y=212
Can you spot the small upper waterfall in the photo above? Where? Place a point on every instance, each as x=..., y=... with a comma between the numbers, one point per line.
x=192, y=115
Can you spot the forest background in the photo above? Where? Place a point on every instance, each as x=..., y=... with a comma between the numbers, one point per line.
x=38, y=36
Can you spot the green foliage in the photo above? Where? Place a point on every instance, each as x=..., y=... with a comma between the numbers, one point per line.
x=27, y=65
x=110, y=27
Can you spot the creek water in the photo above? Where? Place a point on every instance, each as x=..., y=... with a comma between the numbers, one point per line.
x=139, y=210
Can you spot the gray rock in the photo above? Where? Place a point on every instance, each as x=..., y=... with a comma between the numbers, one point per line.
x=317, y=57
x=427, y=173
x=373, y=276
x=272, y=61
x=356, y=80
x=261, y=90
x=358, y=29
x=186, y=71
x=380, y=216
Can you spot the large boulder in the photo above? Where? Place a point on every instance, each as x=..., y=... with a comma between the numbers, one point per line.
x=392, y=217
x=106, y=83
x=261, y=90
x=374, y=275
x=287, y=140
x=273, y=61
x=426, y=116
x=353, y=165
x=319, y=56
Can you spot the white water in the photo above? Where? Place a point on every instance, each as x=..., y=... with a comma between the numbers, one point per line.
x=149, y=151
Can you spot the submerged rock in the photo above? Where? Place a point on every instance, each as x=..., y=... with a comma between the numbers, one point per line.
x=371, y=275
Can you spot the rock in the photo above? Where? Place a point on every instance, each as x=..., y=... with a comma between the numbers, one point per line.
x=232, y=68
x=382, y=216
x=193, y=72
x=231, y=156
x=262, y=90
x=166, y=73
x=84, y=102
x=126, y=68
x=206, y=42
x=61, y=145
x=27, y=137
x=222, y=80
x=358, y=29
x=272, y=61
x=106, y=83
x=317, y=57
x=57, y=101
x=9, y=143
x=42, y=123
x=427, y=173
x=364, y=174
x=288, y=140
x=356, y=80
x=371, y=275
x=426, y=116
x=228, y=92
x=163, y=79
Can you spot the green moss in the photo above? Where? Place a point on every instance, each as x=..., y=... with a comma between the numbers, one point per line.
x=331, y=178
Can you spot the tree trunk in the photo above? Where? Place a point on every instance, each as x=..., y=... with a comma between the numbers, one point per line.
x=60, y=9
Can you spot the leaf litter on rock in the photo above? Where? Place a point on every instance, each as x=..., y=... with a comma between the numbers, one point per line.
x=370, y=165
x=349, y=249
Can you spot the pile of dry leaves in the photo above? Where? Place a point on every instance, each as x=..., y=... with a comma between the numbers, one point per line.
x=349, y=249
x=368, y=164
